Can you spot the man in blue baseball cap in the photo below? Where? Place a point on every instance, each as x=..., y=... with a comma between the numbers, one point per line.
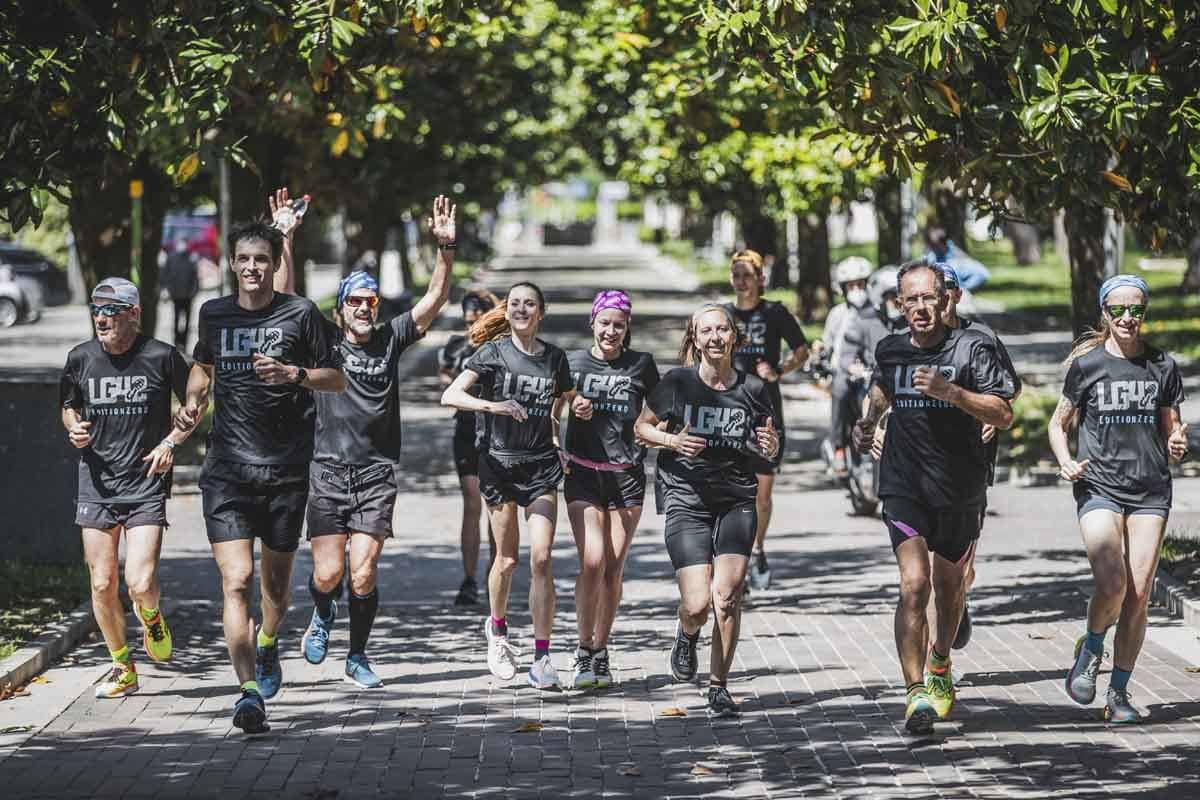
x=352, y=480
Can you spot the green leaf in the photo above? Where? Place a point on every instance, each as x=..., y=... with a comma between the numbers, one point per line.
x=1109, y=6
x=1044, y=79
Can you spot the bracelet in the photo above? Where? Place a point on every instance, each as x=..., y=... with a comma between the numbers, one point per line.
x=447, y=246
x=167, y=443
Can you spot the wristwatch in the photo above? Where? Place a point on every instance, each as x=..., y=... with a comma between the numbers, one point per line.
x=447, y=246
x=301, y=376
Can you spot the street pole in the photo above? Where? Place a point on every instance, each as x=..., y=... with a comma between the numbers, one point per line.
x=136, y=189
x=226, y=277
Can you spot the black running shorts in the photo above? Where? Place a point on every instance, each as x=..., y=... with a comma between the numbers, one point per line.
x=947, y=532
x=254, y=501
x=523, y=481
x=697, y=536
x=625, y=488
x=466, y=449
x=106, y=516
x=344, y=499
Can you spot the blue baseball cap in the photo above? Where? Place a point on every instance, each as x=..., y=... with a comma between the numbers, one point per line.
x=950, y=276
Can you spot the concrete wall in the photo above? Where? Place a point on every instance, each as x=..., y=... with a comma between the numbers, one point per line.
x=37, y=470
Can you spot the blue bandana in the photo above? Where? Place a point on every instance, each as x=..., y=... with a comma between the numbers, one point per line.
x=355, y=280
x=1117, y=281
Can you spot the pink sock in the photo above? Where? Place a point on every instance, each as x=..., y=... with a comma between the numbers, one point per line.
x=541, y=647
x=501, y=625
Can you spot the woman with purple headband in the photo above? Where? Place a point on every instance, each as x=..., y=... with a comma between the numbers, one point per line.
x=1126, y=396
x=606, y=481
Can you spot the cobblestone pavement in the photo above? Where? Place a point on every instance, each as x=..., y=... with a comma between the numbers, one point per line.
x=816, y=673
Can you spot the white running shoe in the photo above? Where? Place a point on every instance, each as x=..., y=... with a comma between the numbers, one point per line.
x=502, y=656
x=583, y=677
x=601, y=668
x=543, y=675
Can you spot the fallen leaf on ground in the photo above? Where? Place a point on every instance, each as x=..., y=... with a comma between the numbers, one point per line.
x=16, y=729
x=1039, y=636
x=700, y=769
x=40, y=679
x=1191, y=669
x=528, y=727
x=629, y=771
x=673, y=711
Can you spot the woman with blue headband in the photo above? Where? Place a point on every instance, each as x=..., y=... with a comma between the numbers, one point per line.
x=352, y=480
x=1126, y=395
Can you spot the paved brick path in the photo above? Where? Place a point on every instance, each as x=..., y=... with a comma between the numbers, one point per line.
x=816, y=672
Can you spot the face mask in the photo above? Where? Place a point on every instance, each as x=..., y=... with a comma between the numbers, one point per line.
x=857, y=297
x=893, y=313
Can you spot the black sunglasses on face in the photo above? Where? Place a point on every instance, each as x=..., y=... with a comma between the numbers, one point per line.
x=108, y=309
x=1136, y=310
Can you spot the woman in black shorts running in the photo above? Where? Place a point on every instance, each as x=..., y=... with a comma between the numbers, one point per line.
x=520, y=376
x=1127, y=396
x=451, y=358
x=719, y=426
x=606, y=482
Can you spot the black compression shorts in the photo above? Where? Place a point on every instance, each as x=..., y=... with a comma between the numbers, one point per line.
x=466, y=448
x=344, y=499
x=106, y=516
x=254, y=501
x=948, y=532
x=523, y=481
x=624, y=488
x=697, y=536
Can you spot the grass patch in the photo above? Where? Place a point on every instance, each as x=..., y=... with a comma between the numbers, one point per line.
x=34, y=596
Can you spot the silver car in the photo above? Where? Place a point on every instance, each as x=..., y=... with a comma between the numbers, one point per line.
x=20, y=298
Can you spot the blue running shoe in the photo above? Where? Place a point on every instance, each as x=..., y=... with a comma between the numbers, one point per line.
x=359, y=672
x=267, y=672
x=250, y=713
x=315, y=644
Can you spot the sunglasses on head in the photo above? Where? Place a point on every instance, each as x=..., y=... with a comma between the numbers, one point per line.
x=108, y=309
x=1136, y=310
x=354, y=301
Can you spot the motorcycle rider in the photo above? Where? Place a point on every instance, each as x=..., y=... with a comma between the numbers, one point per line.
x=851, y=276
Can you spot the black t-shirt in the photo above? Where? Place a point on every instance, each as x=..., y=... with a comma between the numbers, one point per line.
x=1001, y=351
x=933, y=452
x=723, y=473
x=617, y=390
x=533, y=381
x=127, y=398
x=362, y=425
x=1119, y=401
x=256, y=422
x=764, y=327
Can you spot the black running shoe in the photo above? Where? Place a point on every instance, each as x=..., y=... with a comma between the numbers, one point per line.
x=250, y=713
x=963, y=637
x=468, y=593
x=721, y=703
x=683, y=655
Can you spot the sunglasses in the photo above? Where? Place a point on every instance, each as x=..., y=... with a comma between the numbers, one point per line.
x=354, y=301
x=1136, y=310
x=108, y=310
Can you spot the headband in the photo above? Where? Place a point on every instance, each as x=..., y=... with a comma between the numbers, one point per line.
x=356, y=280
x=612, y=298
x=1117, y=281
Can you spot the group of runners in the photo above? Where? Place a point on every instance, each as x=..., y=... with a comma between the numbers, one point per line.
x=306, y=428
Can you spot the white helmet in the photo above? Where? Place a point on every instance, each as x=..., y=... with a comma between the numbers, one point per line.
x=854, y=268
x=881, y=282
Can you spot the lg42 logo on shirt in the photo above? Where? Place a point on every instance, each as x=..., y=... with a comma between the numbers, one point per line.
x=605, y=387
x=906, y=372
x=364, y=365
x=117, y=389
x=716, y=422
x=528, y=388
x=243, y=342
x=1126, y=395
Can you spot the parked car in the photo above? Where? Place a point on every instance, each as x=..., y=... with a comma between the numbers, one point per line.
x=20, y=299
x=200, y=231
x=32, y=265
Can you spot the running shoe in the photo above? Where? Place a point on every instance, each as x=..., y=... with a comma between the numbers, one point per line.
x=267, y=671
x=502, y=656
x=583, y=675
x=759, y=576
x=543, y=675
x=156, y=636
x=919, y=714
x=1081, y=679
x=1119, y=709
x=601, y=669
x=963, y=637
x=315, y=643
x=250, y=713
x=359, y=672
x=939, y=688
x=721, y=703
x=468, y=593
x=121, y=680
x=683, y=656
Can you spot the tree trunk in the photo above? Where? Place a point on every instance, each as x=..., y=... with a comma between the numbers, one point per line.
x=889, y=216
x=949, y=211
x=1191, y=278
x=406, y=273
x=1085, y=244
x=1026, y=242
x=761, y=233
x=813, y=290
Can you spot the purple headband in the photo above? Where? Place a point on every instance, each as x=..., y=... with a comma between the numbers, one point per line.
x=612, y=298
